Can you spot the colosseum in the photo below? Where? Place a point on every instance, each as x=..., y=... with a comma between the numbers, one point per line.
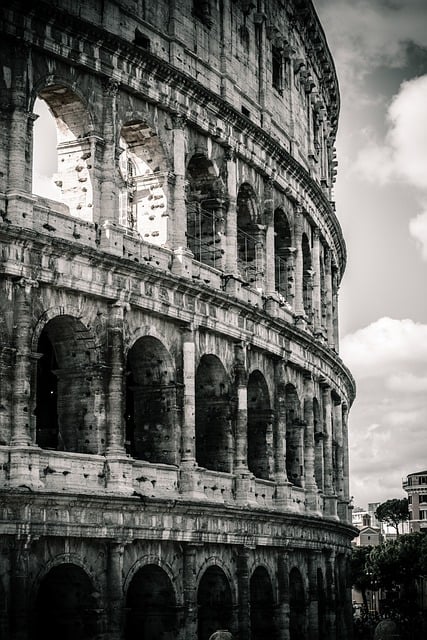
x=173, y=408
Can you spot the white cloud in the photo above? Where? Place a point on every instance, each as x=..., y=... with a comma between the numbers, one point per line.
x=384, y=345
x=418, y=230
x=403, y=155
x=407, y=382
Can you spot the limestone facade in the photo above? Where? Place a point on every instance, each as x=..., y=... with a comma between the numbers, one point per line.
x=173, y=408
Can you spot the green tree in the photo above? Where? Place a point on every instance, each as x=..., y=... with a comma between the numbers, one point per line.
x=360, y=577
x=393, y=512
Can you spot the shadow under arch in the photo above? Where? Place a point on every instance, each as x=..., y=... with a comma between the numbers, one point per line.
x=214, y=601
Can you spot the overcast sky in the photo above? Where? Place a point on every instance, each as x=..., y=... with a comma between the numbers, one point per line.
x=380, y=51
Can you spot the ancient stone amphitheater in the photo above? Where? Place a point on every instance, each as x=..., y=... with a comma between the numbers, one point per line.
x=173, y=409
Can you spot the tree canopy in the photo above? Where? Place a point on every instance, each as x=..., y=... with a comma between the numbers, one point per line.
x=393, y=512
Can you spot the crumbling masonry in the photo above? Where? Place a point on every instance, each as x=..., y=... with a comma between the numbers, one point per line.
x=173, y=409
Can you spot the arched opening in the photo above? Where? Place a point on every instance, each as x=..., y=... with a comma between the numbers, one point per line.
x=214, y=441
x=205, y=212
x=262, y=606
x=307, y=277
x=69, y=388
x=151, y=611
x=151, y=432
x=67, y=606
x=297, y=604
x=321, y=606
x=294, y=437
x=282, y=254
x=318, y=445
x=73, y=160
x=260, y=427
x=143, y=174
x=214, y=601
x=247, y=233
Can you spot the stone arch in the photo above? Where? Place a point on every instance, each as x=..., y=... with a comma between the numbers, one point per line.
x=151, y=415
x=151, y=607
x=69, y=385
x=297, y=606
x=205, y=211
x=262, y=605
x=214, y=601
x=318, y=445
x=283, y=254
x=75, y=148
x=307, y=276
x=214, y=440
x=294, y=436
x=67, y=605
x=247, y=232
x=260, y=427
x=143, y=172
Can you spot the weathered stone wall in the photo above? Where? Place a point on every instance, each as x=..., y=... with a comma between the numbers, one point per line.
x=173, y=408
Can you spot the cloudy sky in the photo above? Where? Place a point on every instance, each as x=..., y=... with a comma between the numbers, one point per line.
x=380, y=51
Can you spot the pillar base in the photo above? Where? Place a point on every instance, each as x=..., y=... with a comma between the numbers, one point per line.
x=24, y=467
x=119, y=474
x=19, y=209
x=243, y=487
x=189, y=481
x=330, y=507
x=182, y=262
x=283, y=498
x=111, y=239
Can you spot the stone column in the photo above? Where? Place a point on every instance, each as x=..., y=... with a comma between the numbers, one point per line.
x=309, y=477
x=119, y=465
x=317, y=310
x=339, y=471
x=313, y=604
x=188, y=429
x=111, y=238
x=328, y=297
x=283, y=613
x=270, y=271
x=299, y=301
x=335, y=327
x=241, y=470
x=21, y=428
x=330, y=594
x=346, y=470
x=182, y=262
x=7, y=357
x=19, y=618
x=231, y=221
x=282, y=483
x=243, y=591
x=329, y=496
x=19, y=156
x=190, y=590
x=115, y=590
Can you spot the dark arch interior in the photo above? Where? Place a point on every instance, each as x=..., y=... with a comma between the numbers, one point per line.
x=297, y=617
x=247, y=218
x=67, y=606
x=282, y=254
x=151, y=402
x=261, y=606
x=306, y=276
x=260, y=427
x=213, y=425
x=294, y=437
x=151, y=606
x=214, y=603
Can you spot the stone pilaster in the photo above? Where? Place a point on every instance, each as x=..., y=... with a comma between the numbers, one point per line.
x=270, y=278
x=243, y=591
x=231, y=222
x=190, y=590
x=335, y=326
x=346, y=470
x=188, y=429
x=115, y=590
x=317, y=311
x=109, y=200
x=283, y=613
x=339, y=471
x=19, y=589
x=330, y=594
x=313, y=604
x=328, y=297
x=21, y=427
x=119, y=476
x=241, y=470
x=309, y=477
x=299, y=301
x=329, y=496
x=282, y=483
x=182, y=262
